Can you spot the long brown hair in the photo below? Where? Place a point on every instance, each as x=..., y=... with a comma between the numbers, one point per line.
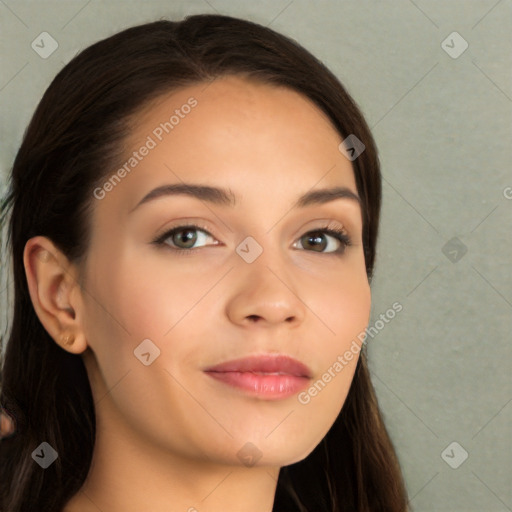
x=72, y=142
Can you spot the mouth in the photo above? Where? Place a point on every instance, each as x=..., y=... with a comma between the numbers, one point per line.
x=271, y=377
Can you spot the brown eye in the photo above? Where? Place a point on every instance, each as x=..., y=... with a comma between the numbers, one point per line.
x=318, y=241
x=315, y=240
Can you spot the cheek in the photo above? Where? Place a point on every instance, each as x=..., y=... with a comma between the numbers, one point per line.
x=137, y=300
x=122, y=310
x=343, y=309
x=128, y=308
x=132, y=302
x=342, y=301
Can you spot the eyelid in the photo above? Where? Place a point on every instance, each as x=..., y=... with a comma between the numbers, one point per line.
x=182, y=224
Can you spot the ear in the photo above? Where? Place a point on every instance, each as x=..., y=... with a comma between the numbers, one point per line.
x=55, y=293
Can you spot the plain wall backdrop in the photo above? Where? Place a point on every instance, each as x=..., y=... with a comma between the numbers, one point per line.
x=434, y=80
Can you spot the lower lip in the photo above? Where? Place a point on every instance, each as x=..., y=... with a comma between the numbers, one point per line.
x=268, y=386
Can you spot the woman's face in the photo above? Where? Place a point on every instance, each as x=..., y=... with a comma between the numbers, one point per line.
x=253, y=280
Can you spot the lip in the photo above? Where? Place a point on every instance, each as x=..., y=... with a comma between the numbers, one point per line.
x=267, y=376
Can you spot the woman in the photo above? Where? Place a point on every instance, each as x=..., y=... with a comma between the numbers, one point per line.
x=138, y=379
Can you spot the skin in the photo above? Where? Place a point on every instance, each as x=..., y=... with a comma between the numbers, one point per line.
x=167, y=433
x=7, y=426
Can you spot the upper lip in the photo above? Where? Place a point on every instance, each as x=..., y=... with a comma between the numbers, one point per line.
x=269, y=363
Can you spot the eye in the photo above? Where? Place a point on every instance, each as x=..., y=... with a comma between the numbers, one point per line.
x=183, y=239
x=317, y=240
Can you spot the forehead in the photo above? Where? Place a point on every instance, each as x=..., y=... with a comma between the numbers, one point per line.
x=232, y=104
x=262, y=141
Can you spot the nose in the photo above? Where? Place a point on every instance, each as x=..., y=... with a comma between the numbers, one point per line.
x=265, y=294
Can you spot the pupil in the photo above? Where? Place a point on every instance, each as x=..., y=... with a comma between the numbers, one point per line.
x=316, y=239
x=189, y=236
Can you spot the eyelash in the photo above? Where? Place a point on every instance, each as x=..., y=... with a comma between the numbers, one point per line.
x=339, y=234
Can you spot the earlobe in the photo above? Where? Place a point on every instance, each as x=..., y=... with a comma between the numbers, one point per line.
x=51, y=281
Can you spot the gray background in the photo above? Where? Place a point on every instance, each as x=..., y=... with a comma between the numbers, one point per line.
x=442, y=366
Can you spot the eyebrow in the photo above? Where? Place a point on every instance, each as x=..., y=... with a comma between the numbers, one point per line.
x=226, y=197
